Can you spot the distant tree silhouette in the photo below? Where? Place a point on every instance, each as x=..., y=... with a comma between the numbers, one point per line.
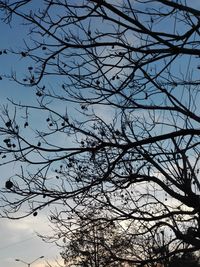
x=187, y=260
x=116, y=124
x=93, y=244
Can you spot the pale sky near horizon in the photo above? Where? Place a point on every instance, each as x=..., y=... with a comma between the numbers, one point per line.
x=19, y=241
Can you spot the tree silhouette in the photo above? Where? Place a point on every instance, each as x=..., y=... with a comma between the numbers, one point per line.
x=187, y=260
x=117, y=89
x=94, y=244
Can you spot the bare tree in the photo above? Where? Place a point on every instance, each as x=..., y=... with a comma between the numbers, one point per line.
x=97, y=241
x=117, y=88
x=91, y=243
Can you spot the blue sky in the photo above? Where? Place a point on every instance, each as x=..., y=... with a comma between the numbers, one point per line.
x=19, y=237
